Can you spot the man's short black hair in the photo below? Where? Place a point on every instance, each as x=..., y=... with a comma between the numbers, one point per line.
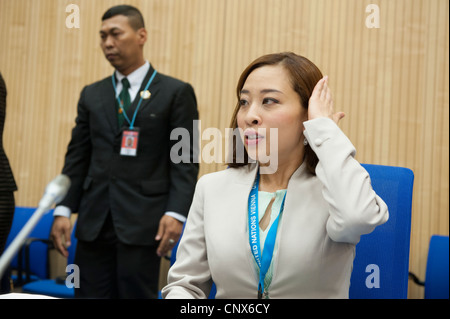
x=134, y=15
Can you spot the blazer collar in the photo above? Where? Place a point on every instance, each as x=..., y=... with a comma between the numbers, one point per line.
x=108, y=99
x=136, y=77
x=247, y=174
x=154, y=87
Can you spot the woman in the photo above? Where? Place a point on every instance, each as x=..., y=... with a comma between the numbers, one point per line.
x=288, y=233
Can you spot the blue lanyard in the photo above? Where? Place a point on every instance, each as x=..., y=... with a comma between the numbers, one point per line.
x=263, y=261
x=140, y=100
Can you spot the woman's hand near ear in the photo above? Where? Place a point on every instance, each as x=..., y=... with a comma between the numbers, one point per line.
x=321, y=103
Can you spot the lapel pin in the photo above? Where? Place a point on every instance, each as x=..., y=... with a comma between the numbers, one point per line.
x=145, y=94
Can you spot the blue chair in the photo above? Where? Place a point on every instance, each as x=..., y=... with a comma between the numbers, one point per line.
x=55, y=287
x=36, y=260
x=380, y=268
x=437, y=273
x=437, y=277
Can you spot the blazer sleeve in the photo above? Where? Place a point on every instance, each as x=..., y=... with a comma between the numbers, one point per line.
x=78, y=155
x=354, y=207
x=190, y=277
x=183, y=175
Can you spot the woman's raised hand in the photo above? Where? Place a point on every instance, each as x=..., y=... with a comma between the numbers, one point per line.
x=321, y=102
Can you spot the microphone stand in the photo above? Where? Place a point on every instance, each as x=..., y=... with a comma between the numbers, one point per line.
x=54, y=193
x=20, y=239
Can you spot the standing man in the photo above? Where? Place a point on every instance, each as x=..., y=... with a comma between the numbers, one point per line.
x=131, y=198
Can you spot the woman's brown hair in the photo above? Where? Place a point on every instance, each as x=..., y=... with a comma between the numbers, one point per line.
x=304, y=76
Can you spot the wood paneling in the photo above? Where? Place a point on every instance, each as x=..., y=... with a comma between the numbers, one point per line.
x=392, y=81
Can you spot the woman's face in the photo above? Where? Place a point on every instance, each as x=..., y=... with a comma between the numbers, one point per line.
x=271, y=116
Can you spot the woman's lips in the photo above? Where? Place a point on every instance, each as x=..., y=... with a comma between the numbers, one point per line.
x=251, y=137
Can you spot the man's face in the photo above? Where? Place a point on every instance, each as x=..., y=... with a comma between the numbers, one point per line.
x=121, y=44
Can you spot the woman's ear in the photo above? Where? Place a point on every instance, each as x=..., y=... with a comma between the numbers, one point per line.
x=304, y=119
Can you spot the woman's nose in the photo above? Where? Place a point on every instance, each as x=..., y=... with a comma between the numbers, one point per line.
x=253, y=117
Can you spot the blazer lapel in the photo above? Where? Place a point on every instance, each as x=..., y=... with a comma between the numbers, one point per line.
x=145, y=102
x=247, y=176
x=107, y=99
x=243, y=184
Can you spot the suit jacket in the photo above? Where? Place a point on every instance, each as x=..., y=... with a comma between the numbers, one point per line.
x=136, y=190
x=7, y=182
x=323, y=219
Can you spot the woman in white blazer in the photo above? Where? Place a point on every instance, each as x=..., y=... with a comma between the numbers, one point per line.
x=284, y=227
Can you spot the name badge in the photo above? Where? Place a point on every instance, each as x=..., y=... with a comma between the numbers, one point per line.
x=130, y=139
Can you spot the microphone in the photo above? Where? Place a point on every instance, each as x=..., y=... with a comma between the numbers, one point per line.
x=55, y=192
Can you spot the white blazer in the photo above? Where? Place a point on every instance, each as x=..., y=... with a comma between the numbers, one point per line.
x=323, y=219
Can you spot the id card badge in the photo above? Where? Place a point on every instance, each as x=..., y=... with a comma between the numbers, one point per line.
x=130, y=139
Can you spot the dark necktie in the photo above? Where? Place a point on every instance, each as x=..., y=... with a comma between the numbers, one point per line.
x=125, y=100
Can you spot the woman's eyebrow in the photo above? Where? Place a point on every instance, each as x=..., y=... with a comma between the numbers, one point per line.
x=270, y=91
x=262, y=91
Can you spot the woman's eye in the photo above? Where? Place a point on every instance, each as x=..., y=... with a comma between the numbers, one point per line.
x=243, y=102
x=270, y=101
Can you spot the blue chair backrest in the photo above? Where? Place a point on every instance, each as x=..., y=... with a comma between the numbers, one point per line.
x=38, y=250
x=436, y=277
x=380, y=268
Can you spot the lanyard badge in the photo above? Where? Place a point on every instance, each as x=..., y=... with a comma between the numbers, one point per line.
x=130, y=139
x=130, y=136
x=263, y=261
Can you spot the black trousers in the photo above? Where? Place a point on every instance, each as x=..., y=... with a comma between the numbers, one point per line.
x=7, y=206
x=111, y=269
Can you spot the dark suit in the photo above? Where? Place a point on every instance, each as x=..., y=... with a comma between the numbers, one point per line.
x=132, y=192
x=7, y=184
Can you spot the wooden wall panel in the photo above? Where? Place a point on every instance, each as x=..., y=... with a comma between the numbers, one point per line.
x=392, y=81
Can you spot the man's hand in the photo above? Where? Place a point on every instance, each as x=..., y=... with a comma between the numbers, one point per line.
x=169, y=232
x=62, y=227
